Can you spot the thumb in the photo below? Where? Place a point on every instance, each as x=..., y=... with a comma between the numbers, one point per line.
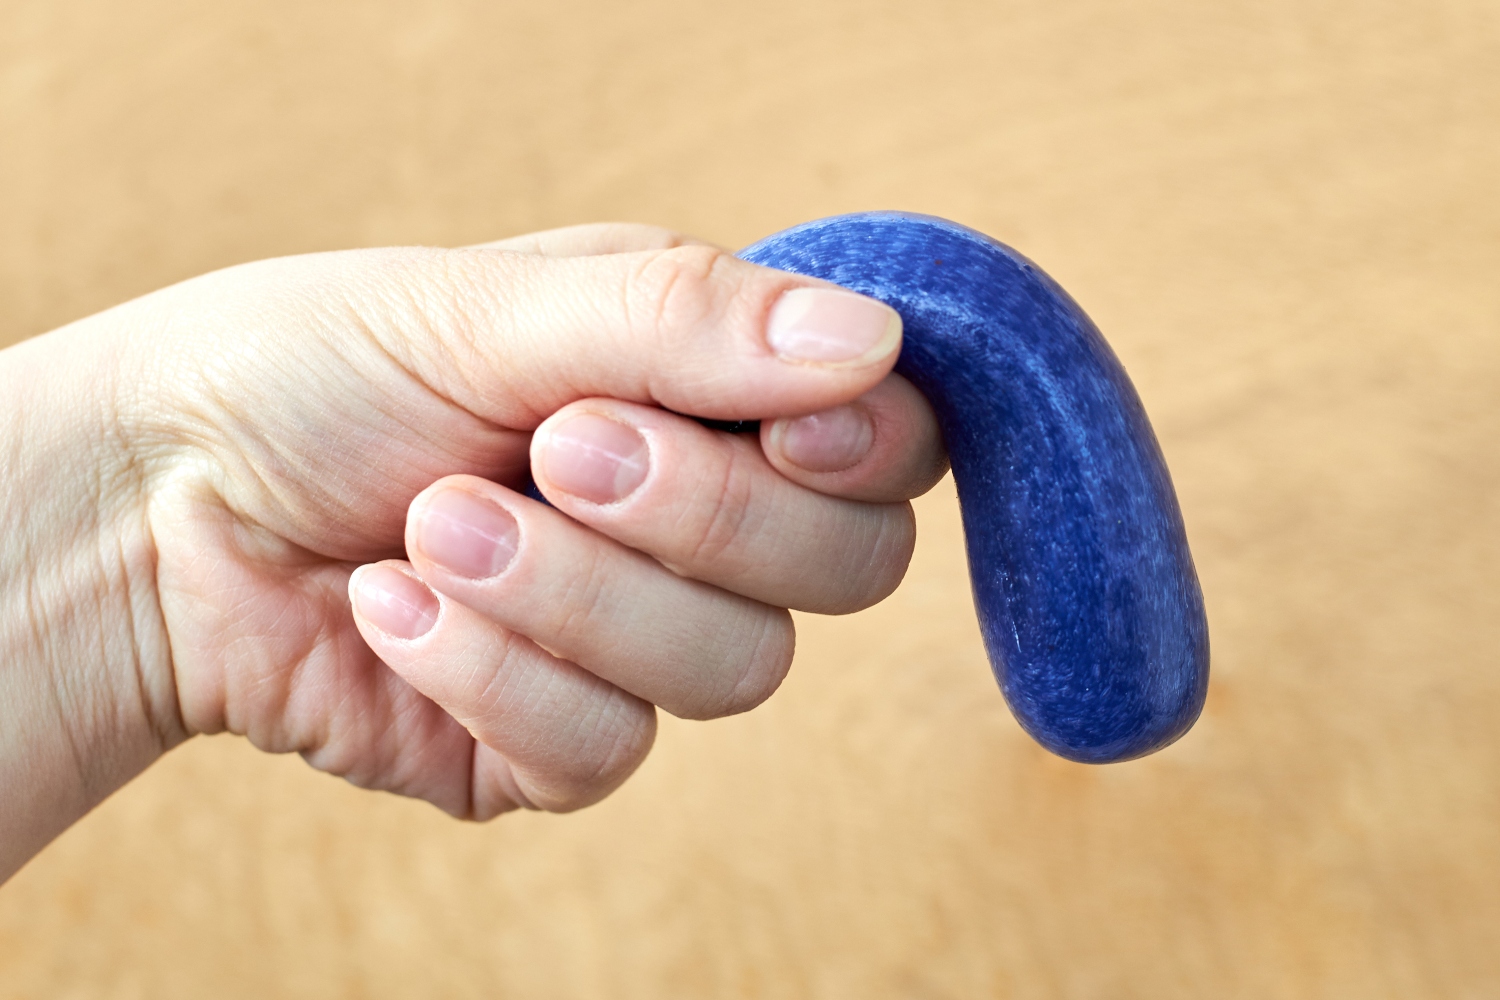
x=513, y=337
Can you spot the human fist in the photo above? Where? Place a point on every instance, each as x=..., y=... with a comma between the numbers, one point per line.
x=298, y=435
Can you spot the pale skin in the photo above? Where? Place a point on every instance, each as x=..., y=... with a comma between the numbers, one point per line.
x=281, y=500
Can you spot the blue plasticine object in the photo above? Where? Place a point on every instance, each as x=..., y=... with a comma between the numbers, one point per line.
x=1086, y=593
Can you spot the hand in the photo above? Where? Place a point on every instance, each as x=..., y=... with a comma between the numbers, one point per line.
x=276, y=437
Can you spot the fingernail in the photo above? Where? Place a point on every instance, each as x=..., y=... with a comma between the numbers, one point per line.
x=393, y=602
x=832, y=327
x=466, y=535
x=830, y=441
x=595, y=458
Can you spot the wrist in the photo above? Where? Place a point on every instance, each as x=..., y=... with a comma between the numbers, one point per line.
x=86, y=694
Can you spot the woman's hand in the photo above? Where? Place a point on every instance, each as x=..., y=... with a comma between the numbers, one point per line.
x=251, y=449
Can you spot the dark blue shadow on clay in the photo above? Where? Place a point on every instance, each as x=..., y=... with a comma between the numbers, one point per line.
x=1086, y=593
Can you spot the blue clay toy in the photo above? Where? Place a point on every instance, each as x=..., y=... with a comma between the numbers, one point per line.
x=1086, y=593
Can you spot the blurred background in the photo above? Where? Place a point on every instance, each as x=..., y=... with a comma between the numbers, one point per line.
x=1283, y=214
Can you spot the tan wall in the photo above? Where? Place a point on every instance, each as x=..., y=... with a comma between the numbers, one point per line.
x=1285, y=215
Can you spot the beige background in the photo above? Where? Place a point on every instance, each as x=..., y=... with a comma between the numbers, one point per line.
x=1284, y=215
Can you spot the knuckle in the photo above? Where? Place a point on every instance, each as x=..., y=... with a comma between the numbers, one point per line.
x=726, y=507
x=678, y=289
x=494, y=689
x=586, y=596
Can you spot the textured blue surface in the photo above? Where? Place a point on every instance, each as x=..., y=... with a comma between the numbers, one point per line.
x=1086, y=593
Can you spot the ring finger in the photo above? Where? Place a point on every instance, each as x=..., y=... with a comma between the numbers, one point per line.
x=694, y=649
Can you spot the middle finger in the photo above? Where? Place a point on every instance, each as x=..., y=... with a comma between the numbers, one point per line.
x=709, y=506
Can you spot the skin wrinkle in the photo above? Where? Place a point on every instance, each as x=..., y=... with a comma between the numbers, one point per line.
x=277, y=469
x=452, y=335
x=749, y=316
x=277, y=480
x=671, y=291
x=349, y=758
x=699, y=393
x=853, y=549
x=731, y=699
x=477, y=305
x=587, y=771
x=405, y=773
x=423, y=381
x=733, y=621
x=900, y=534
x=578, y=604
x=538, y=390
x=455, y=340
x=628, y=620
x=445, y=744
x=364, y=762
x=410, y=711
x=728, y=630
x=307, y=660
x=730, y=503
x=87, y=709
x=222, y=424
x=631, y=291
x=74, y=575
x=737, y=516
x=467, y=677
x=157, y=727
x=57, y=699
x=163, y=715
x=502, y=674
x=585, y=597
x=259, y=693
x=591, y=726
x=279, y=683
x=171, y=640
x=325, y=643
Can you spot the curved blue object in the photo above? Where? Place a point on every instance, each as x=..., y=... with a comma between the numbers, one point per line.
x=1086, y=593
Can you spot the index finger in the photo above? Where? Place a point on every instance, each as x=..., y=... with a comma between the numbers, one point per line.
x=593, y=238
x=883, y=447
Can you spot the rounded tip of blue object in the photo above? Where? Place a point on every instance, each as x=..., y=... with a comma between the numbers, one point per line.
x=1143, y=741
x=1085, y=590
